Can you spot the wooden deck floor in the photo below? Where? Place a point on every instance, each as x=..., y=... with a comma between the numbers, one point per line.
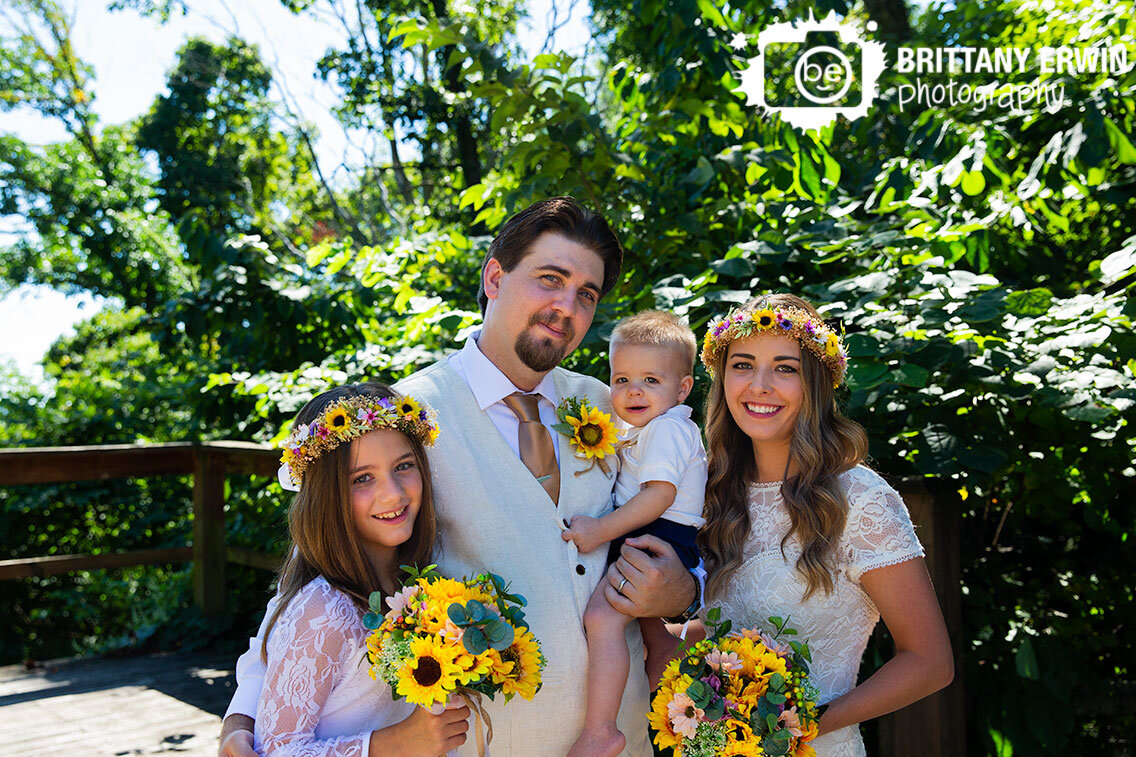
x=155, y=704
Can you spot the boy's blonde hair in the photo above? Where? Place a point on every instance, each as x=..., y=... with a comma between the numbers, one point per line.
x=661, y=329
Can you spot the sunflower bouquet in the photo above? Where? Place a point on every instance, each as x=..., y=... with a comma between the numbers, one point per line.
x=440, y=637
x=737, y=693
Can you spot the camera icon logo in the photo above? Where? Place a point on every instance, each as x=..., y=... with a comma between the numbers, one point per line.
x=813, y=71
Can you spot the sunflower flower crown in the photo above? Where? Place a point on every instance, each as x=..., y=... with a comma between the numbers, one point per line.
x=795, y=323
x=348, y=419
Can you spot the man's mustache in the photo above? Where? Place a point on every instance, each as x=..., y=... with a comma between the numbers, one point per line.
x=555, y=321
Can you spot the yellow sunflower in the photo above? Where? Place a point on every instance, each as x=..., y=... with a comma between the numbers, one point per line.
x=832, y=343
x=594, y=434
x=659, y=717
x=431, y=675
x=408, y=406
x=524, y=678
x=764, y=318
x=742, y=745
x=337, y=421
x=499, y=668
x=472, y=666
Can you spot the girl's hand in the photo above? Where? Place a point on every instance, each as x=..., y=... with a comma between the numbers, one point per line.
x=423, y=734
x=586, y=532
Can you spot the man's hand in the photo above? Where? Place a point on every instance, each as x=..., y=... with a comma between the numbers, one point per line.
x=236, y=737
x=657, y=583
x=586, y=532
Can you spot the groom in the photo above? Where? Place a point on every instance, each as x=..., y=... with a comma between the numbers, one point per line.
x=505, y=481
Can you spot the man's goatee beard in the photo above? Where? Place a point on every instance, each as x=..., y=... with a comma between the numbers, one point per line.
x=540, y=355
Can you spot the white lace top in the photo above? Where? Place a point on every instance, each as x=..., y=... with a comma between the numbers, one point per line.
x=318, y=698
x=878, y=532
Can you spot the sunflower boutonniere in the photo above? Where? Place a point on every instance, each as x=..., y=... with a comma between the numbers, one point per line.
x=591, y=432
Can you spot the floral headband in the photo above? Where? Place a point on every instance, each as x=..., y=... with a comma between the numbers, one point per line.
x=795, y=323
x=348, y=419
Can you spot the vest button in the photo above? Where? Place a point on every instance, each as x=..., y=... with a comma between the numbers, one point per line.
x=580, y=569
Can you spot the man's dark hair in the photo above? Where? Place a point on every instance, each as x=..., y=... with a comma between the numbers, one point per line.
x=560, y=215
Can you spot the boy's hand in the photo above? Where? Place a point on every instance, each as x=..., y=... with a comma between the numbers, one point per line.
x=586, y=532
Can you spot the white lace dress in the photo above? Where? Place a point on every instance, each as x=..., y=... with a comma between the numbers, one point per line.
x=878, y=533
x=318, y=698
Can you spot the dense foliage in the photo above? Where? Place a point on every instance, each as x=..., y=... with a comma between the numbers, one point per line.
x=981, y=263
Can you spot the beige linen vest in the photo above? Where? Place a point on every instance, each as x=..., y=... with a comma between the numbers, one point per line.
x=493, y=515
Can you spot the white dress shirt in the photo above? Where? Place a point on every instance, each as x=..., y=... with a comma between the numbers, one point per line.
x=490, y=387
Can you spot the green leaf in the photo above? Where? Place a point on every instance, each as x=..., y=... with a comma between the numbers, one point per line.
x=739, y=267
x=500, y=635
x=1121, y=145
x=909, y=374
x=809, y=176
x=563, y=428
x=700, y=693
x=973, y=182
x=701, y=173
x=474, y=641
x=371, y=620
x=865, y=375
x=715, y=709
x=1025, y=660
x=711, y=13
x=457, y=613
x=1029, y=302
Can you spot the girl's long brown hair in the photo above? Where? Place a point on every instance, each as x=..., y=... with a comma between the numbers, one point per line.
x=324, y=540
x=824, y=444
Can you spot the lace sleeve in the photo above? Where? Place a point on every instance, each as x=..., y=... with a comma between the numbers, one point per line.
x=879, y=531
x=307, y=652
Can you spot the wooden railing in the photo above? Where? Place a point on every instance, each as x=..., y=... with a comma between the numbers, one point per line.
x=210, y=463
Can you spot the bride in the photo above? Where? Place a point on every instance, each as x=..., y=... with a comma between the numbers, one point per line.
x=798, y=527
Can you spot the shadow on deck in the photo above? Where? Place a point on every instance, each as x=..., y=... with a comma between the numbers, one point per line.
x=153, y=704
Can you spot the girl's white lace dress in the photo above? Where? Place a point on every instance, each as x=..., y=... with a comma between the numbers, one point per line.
x=878, y=533
x=318, y=698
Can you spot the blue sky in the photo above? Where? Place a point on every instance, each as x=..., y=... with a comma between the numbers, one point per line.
x=131, y=55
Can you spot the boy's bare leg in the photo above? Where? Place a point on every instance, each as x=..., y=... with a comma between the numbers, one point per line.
x=661, y=646
x=608, y=664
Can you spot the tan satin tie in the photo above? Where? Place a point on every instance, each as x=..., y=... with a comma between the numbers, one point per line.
x=537, y=450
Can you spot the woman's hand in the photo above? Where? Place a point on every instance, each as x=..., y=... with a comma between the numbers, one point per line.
x=423, y=734
x=236, y=737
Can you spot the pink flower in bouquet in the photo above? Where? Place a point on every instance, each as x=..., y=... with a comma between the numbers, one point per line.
x=452, y=632
x=727, y=661
x=399, y=601
x=763, y=638
x=792, y=723
x=684, y=716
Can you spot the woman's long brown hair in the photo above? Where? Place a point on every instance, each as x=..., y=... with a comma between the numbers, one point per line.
x=824, y=444
x=324, y=540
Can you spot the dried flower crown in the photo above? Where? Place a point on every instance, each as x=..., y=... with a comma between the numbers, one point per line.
x=348, y=419
x=795, y=323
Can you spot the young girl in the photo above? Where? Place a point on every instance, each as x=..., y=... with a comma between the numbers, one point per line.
x=798, y=527
x=363, y=507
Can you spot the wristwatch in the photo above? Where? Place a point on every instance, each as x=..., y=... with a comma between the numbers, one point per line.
x=695, y=606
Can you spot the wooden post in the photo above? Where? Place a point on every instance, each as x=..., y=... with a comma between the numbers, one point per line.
x=208, y=531
x=935, y=726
